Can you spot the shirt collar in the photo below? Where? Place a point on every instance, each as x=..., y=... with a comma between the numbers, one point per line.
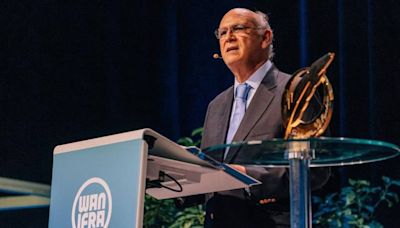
x=255, y=79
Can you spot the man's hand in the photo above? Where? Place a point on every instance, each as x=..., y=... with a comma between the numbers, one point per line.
x=239, y=168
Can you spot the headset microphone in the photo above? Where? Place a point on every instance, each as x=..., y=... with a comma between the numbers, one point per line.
x=216, y=56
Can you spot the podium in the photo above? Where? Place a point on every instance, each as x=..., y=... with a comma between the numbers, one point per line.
x=101, y=182
x=299, y=155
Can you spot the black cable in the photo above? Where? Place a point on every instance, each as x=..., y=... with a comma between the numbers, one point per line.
x=161, y=178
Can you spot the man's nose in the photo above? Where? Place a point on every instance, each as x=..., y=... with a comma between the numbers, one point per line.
x=230, y=35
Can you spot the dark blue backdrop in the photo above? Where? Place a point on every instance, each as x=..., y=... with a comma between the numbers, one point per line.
x=81, y=69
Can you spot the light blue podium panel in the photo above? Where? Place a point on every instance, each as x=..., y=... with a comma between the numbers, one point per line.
x=99, y=182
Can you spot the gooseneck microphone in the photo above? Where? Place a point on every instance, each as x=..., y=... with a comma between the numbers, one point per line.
x=216, y=56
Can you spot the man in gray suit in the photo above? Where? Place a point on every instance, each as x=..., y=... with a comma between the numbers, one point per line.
x=245, y=39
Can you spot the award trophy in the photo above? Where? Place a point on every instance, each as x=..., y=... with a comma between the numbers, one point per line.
x=296, y=102
x=297, y=96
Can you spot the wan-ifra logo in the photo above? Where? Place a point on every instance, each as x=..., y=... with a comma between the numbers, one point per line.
x=92, y=205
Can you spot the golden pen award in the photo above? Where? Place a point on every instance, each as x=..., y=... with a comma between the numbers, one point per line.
x=298, y=98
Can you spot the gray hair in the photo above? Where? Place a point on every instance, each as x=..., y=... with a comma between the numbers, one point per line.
x=264, y=23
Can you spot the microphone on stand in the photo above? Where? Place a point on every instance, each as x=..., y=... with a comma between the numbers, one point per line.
x=216, y=56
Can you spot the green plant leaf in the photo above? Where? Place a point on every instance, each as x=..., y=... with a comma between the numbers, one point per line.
x=350, y=197
x=363, y=183
x=369, y=208
x=396, y=182
x=386, y=180
x=330, y=197
x=393, y=195
x=375, y=189
x=375, y=224
x=198, y=132
x=185, y=141
x=346, y=190
x=316, y=199
x=389, y=202
x=352, y=182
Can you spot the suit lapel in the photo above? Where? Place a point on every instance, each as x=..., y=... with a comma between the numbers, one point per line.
x=224, y=116
x=258, y=106
x=218, y=123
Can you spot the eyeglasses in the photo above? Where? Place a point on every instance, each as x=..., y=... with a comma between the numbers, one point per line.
x=221, y=33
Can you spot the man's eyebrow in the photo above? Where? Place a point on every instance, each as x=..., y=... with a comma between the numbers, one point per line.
x=235, y=24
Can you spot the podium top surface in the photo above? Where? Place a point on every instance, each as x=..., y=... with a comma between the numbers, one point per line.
x=324, y=151
x=160, y=145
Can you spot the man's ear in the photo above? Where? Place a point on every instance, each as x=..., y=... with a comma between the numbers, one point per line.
x=267, y=38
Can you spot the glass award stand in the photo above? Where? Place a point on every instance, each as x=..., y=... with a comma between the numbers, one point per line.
x=301, y=154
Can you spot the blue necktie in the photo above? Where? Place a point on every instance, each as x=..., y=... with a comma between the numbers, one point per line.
x=242, y=91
